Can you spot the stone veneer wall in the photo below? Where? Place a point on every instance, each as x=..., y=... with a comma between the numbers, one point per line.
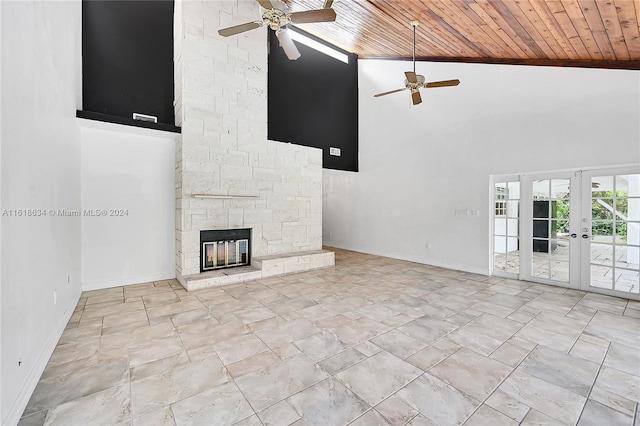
x=221, y=104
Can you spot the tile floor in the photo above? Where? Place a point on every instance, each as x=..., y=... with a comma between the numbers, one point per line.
x=373, y=341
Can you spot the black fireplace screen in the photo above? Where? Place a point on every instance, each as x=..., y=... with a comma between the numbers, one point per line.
x=224, y=248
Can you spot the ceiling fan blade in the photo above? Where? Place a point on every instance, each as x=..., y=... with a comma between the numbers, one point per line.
x=415, y=97
x=390, y=92
x=319, y=15
x=266, y=4
x=288, y=45
x=411, y=76
x=328, y=3
x=443, y=83
x=226, y=32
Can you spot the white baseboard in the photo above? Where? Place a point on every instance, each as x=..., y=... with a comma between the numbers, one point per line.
x=110, y=283
x=409, y=258
x=12, y=416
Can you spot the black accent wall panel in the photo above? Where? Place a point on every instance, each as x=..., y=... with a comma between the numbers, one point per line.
x=127, y=58
x=313, y=101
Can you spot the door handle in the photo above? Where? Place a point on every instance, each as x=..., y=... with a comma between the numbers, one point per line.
x=573, y=235
x=585, y=236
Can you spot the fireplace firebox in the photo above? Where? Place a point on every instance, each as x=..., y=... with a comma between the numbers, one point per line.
x=224, y=248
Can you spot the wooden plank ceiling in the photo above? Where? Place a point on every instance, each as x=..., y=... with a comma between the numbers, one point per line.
x=583, y=33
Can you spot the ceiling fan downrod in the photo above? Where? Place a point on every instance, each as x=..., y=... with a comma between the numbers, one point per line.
x=414, y=24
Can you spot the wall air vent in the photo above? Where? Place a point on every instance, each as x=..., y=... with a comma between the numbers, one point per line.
x=144, y=117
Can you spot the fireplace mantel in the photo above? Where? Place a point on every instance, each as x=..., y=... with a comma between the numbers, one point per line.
x=222, y=196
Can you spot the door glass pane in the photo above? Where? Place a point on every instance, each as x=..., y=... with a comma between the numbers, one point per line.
x=560, y=250
x=540, y=267
x=541, y=190
x=562, y=227
x=514, y=190
x=602, y=231
x=602, y=209
x=601, y=254
x=499, y=262
x=627, y=280
x=601, y=277
x=506, y=256
x=560, y=189
x=627, y=257
x=630, y=184
x=513, y=263
x=560, y=271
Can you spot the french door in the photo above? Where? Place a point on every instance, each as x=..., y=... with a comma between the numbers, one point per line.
x=576, y=229
x=610, y=231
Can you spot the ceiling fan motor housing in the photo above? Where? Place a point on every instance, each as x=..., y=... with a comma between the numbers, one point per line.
x=418, y=84
x=276, y=19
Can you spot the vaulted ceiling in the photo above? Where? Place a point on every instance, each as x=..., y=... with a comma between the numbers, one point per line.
x=583, y=33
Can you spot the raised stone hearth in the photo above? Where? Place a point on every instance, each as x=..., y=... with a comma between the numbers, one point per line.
x=263, y=267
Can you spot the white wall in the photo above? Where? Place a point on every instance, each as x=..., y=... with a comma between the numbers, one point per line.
x=40, y=169
x=419, y=164
x=129, y=172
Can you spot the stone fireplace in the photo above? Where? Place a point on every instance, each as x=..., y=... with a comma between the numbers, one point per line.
x=228, y=174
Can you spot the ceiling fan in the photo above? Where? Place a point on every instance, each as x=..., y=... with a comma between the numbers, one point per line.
x=276, y=15
x=415, y=82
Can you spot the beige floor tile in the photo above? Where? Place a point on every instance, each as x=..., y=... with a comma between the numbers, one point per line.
x=283, y=337
x=399, y=344
x=396, y=411
x=281, y=413
x=320, y=345
x=561, y=369
x=486, y=415
x=589, y=351
x=427, y=329
x=287, y=332
x=35, y=419
x=341, y=361
x=472, y=373
x=221, y=405
x=510, y=354
x=328, y=402
x=158, y=366
x=370, y=418
x=161, y=417
x=428, y=357
x=111, y=406
x=536, y=418
x=276, y=382
x=392, y=374
x=624, y=357
x=617, y=402
x=559, y=403
x=596, y=414
x=239, y=348
x=253, y=363
x=437, y=402
x=619, y=383
x=152, y=393
x=78, y=383
x=507, y=405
